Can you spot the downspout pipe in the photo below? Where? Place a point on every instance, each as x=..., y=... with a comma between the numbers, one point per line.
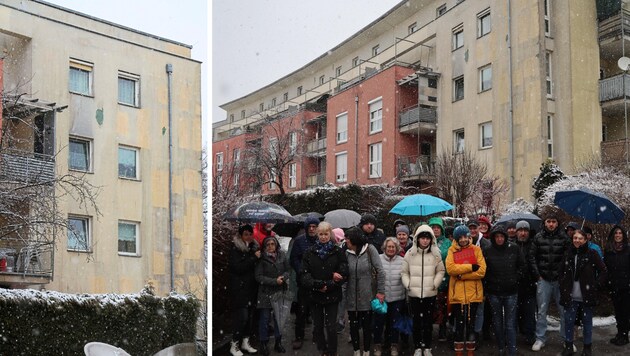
x=356, y=138
x=169, y=74
x=510, y=103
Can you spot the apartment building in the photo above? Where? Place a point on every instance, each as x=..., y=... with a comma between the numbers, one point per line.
x=515, y=82
x=99, y=102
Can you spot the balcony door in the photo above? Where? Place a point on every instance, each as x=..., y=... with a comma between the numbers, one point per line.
x=45, y=134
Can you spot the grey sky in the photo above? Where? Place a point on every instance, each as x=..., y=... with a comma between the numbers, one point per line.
x=183, y=21
x=256, y=42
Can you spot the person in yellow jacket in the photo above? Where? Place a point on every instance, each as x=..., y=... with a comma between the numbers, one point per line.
x=466, y=267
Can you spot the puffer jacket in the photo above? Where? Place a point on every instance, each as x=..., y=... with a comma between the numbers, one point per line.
x=317, y=273
x=547, y=253
x=443, y=243
x=394, y=289
x=260, y=233
x=505, y=266
x=242, y=264
x=267, y=272
x=589, y=270
x=359, y=293
x=465, y=285
x=423, y=270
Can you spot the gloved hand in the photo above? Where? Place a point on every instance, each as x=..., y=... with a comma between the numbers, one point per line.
x=475, y=267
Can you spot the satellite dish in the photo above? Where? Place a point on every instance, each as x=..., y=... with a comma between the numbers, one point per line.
x=624, y=63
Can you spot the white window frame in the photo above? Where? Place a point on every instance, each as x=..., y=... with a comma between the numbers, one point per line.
x=137, y=162
x=236, y=156
x=548, y=74
x=87, y=143
x=458, y=37
x=549, y=136
x=273, y=148
x=136, y=226
x=341, y=164
x=285, y=97
x=81, y=67
x=261, y=107
x=376, y=115
x=547, y=20
x=219, y=160
x=459, y=145
x=242, y=114
x=485, y=140
x=322, y=79
x=273, y=102
x=219, y=181
x=231, y=117
x=375, y=50
x=376, y=160
x=484, y=18
x=71, y=232
x=355, y=62
x=338, y=71
x=441, y=10
x=236, y=178
x=455, y=86
x=293, y=143
x=299, y=90
x=272, y=179
x=485, y=85
x=135, y=79
x=292, y=175
x=342, y=130
x=412, y=28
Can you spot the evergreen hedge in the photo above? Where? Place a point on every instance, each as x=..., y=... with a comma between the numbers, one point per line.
x=52, y=323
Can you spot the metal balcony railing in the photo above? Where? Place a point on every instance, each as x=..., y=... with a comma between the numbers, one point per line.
x=417, y=114
x=613, y=88
x=316, y=180
x=316, y=145
x=26, y=261
x=26, y=166
x=415, y=166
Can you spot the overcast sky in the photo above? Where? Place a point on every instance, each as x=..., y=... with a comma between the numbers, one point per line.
x=255, y=42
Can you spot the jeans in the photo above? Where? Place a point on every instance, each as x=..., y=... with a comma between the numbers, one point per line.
x=386, y=321
x=302, y=312
x=620, y=299
x=504, y=320
x=479, y=318
x=422, y=310
x=526, y=316
x=465, y=315
x=587, y=319
x=361, y=320
x=263, y=324
x=242, y=322
x=324, y=327
x=545, y=290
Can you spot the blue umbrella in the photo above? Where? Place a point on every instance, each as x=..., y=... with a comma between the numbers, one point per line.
x=420, y=205
x=589, y=205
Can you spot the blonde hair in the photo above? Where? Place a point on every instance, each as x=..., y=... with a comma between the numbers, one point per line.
x=396, y=244
x=325, y=226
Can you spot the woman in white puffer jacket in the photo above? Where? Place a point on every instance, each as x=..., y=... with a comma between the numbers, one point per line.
x=422, y=273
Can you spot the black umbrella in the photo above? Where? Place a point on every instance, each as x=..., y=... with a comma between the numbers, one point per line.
x=259, y=211
x=302, y=217
x=535, y=223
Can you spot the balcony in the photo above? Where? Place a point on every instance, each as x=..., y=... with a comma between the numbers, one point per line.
x=418, y=120
x=25, y=263
x=25, y=166
x=316, y=180
x=613, y=88
x=416, y=168
x=316, y=147
x=614, y=153
x=610, y=32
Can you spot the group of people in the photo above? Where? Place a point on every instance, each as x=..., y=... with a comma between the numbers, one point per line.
x=464, y=278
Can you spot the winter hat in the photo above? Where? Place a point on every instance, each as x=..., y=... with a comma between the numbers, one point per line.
x=483, y=219
x=399, y=222
x=497, y=230
x=522, y=225
x=460, y=231
x=472, y=222
x=339, y=234
x=511, y=224
x=367, y=219
x=572, y=225
x=402, y=228
x=310, y=220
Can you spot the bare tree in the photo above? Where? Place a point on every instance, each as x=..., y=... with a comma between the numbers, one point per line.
x=487, y=198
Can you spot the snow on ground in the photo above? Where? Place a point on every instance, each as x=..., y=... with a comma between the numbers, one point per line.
x=553, y=323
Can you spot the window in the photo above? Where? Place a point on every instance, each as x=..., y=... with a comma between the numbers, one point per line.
x=273, y=102
x=273, y=148
x=242, y=114
x=322, y=79
x=458, y=37
x=342, y=167
x=128, y=162
x=128, y=238
x=292, y=175
x=272, y=179
x=376, y=157
x=485, y=134
x=338, y=71
x=219, y=180
x=236, y=156
x=342, y=128
x=219, y=162
x=412, y=28
x=548, y=74
x=80, y=155
x=79, y=234
x=292, y=143
x=285, y=97
x=549, y=136
x=547, y=18
x=484, y=23
x=299, y=90
x=441, y=10
x=604, y=133
x=128, y=89
x=375, y=50
x=458, y=88
x=231, y=117
x=485, y=78
x=80, y=81
x=355, y=61
x=261, y=107
x=236, y=178
x=376, y=115
x=458, y=141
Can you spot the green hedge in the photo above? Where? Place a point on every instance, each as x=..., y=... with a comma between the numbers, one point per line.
x=52, y=323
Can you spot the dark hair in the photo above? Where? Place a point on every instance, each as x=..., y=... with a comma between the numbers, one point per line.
x=243, y=228
x=581, y=232
x=355, y=235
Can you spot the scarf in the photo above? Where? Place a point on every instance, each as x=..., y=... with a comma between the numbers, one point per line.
x=618, y=246
x=323, y=249
x=271, y=255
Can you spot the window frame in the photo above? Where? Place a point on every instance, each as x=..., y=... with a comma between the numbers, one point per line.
x=137, y=162
x=548, y=75
x=547, y=18
x=457, y=34
x=273, y=102
x=375, y=157
x=375, y=121
x=136, y=87
x=299, y=90
x=440, y=10
x=481, y=71
x=236, y=156
x=88, y=234
x=322, y=79
x=457, y=148
x=355, y=62
x=375, y=50
x=136, y=237
x=550, y=136
x=242, y=114
x=481, y=17
x=412, y=28
x=341, y=177
x=285, y=97
x=82, y=66
x=88, y=156
x=455, y=86
x=482, y=138
x=292, y=175
x=338, y=71
x=293, y=142
x=345, y=132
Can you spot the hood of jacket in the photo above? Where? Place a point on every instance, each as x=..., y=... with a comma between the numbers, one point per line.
x=270, y=238
x=419, y=230
x=437, y=221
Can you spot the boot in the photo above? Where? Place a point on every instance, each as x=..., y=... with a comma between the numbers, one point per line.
x=620, y=340
x=394, y=350
x=264, y=350
x=247, y=347
x=587, y=351
x=568, y=349
x=297, y=344
x=234, y=349
x=377, y=350
x=442, y=333
x=278, y=346
x=470, y=348
x=615, y=339
x=459, y=348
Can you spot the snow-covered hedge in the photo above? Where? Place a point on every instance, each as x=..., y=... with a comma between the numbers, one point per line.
x=52, y=323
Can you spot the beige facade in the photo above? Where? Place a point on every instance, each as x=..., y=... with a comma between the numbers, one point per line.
x=115, y=85
x=540, y=100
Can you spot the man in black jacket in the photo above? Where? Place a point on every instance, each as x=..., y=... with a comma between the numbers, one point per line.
x=374, y=236
x=526, y=306
x=546, y=257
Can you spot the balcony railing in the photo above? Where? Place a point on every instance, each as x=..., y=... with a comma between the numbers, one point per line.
x=316, y=146
x=610, y=26
x=410, y=167
x=26, y=166
x=613, y=88
x=417, y=114
x=25, y=263
x=316, y=180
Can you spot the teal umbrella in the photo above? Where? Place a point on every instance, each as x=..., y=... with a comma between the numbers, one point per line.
x=420, y=205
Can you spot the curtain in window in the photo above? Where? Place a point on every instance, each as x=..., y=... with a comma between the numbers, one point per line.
x=78, y=155
x=126, y=238
x=126, y=163
x=126, y=91
x=79, y=81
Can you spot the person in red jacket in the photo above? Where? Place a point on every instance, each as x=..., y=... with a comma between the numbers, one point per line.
x=262, y=231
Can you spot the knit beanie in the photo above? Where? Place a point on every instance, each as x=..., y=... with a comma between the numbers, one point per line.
x=460, y=231
x=522, y=225
x=367, y=219
x=402, y=228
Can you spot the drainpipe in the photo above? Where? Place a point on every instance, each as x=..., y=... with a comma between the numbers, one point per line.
x=356, y=138
x=169, y=73
x=510, y=103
